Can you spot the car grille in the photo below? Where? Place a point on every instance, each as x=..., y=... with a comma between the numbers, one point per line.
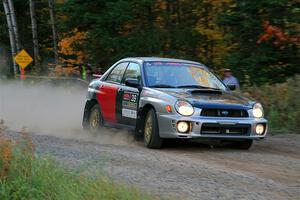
x=220, y=129
x=224, y=113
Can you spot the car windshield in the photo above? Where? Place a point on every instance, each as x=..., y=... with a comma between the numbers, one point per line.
x=180, y=75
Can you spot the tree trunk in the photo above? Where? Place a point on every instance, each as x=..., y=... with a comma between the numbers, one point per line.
x=34, y=35
x=54, y=36
x=11, y=35
x=14, y=25
x=178, y=11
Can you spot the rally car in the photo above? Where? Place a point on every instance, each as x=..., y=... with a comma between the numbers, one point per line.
x=162, y=98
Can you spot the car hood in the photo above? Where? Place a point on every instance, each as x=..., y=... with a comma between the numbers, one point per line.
x=203, y=98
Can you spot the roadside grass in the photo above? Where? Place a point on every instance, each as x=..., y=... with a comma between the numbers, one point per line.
x=25, y=176
x=281, y=103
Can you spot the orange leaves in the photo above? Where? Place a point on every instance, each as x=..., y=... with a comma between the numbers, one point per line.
x=214, y=47
x=273, y=32
x=5, y=151
x=70, y=47
x=9, y=148
x=5, y=156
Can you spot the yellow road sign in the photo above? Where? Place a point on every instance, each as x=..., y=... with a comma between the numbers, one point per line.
x=23, y=59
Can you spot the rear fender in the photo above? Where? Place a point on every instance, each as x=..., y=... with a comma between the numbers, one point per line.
x=87, y=110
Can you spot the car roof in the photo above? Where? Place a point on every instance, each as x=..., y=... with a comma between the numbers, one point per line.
x=159, y=59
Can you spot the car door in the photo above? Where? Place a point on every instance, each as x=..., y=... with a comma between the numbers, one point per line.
x=108, y=89
x=128, y=97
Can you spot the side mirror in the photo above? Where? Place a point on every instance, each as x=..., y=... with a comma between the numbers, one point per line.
x=132, y=83
x=231, y=87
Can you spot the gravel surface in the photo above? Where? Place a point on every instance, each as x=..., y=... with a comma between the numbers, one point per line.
x=270, y=170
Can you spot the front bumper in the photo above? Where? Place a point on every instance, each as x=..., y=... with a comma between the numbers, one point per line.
x=168, y=127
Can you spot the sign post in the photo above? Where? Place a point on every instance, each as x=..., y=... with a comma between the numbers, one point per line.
x=23, y=59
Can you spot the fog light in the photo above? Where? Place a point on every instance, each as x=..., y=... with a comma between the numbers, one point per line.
x=182, y=127
x=260, y=129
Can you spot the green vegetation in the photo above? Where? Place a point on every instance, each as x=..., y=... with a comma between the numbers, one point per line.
x=24, y=176
x=282, y=105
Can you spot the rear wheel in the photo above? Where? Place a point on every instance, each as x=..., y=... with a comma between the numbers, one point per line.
x=244, y=145
x=95, y=119
x=151, y=133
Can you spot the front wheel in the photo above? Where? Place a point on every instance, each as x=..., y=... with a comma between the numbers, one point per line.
x=95, y=121
x=151, y=133
x=243, y=145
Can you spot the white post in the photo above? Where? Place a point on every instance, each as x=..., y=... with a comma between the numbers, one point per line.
x=54, y=36
x=11, y=35
x=14, y=25
x=34, y=34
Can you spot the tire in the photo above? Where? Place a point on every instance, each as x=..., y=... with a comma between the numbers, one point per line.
x=152, y=139
x=95, y=121
x=243, y=145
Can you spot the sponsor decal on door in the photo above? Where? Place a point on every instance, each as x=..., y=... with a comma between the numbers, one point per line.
x=129, y=105
x=129, y=113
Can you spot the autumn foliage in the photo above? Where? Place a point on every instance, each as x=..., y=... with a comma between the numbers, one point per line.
x=5, y=151
x=9, y=149
x=70, y=47
x=71, y=55
x=247, y=36
x=280, y=37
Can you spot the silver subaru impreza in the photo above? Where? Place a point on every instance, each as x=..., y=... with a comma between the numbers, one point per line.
x=162, y=98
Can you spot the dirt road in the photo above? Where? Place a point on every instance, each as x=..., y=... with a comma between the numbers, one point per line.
x=270, y=170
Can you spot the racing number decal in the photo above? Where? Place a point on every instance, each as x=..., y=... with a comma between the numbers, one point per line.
x=129, y=105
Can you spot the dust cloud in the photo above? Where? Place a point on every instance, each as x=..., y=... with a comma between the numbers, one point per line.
x=52, y=110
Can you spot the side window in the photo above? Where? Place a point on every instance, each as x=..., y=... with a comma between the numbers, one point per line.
x=116, y=74
x=133, y=71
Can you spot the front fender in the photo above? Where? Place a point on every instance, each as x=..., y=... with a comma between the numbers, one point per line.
x=150, y=98
x=157, y=99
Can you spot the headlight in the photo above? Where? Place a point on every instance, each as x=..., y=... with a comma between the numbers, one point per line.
x=258, y=111
x=184, y=108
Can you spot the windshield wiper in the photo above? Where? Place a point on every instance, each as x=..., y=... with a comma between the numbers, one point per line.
x=197, y=86
x=162, y=86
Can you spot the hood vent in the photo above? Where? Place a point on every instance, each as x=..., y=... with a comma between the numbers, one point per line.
x=201, y=91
